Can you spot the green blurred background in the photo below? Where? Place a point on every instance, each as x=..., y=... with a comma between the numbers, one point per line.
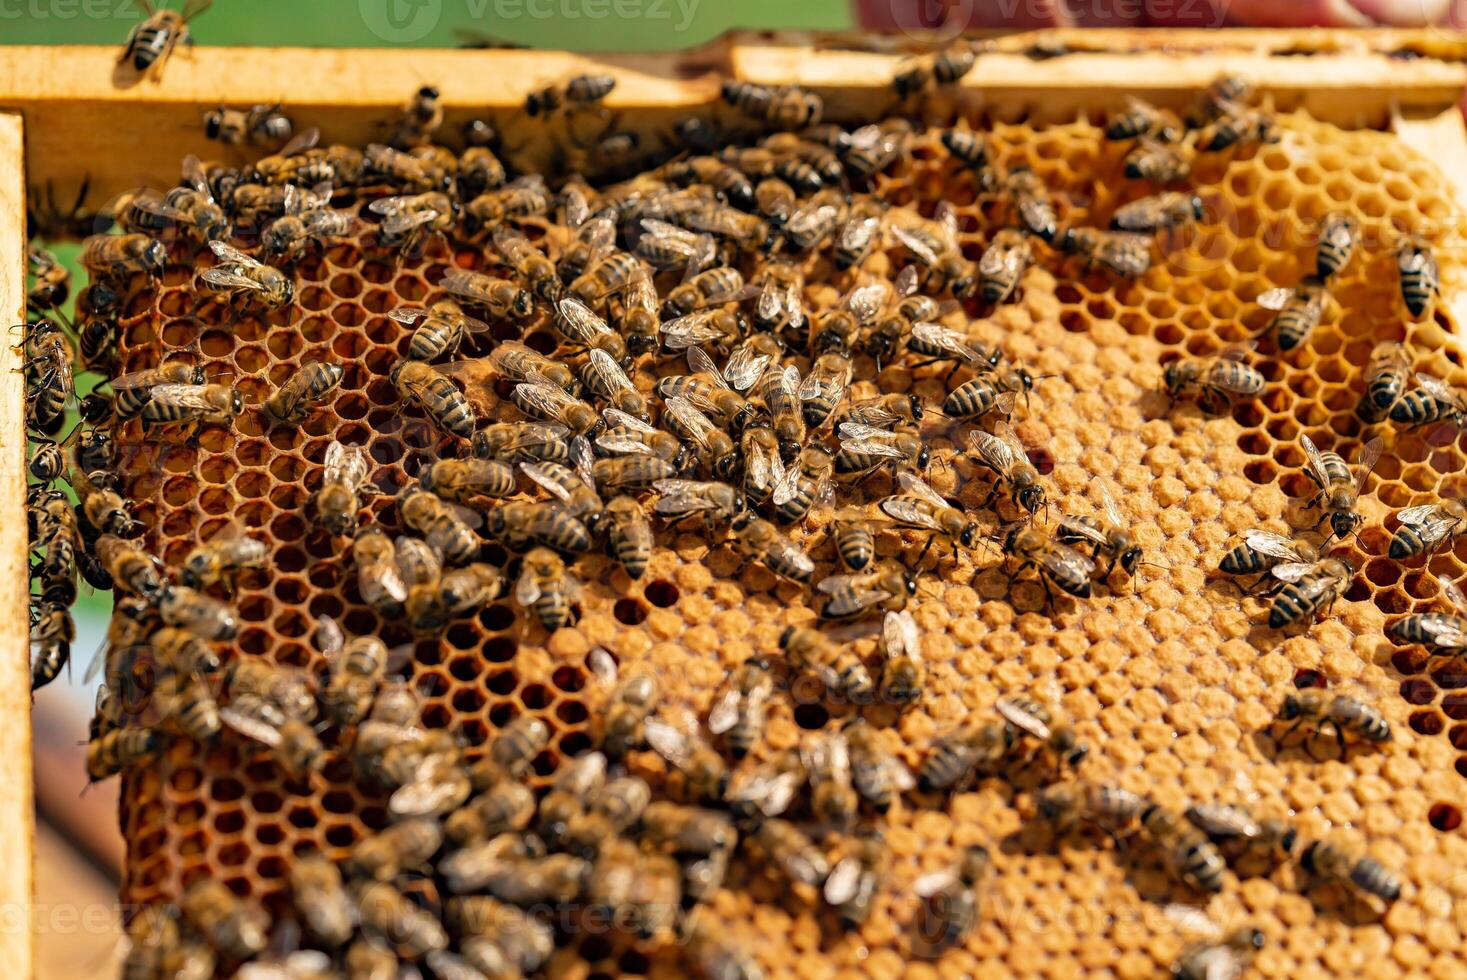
x=614, y=25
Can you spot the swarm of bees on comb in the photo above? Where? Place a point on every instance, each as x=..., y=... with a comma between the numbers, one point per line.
x=596, y=573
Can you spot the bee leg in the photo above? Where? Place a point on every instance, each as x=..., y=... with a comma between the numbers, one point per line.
x=930, y=539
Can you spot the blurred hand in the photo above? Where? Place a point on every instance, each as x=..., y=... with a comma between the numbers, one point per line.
x=914, y=14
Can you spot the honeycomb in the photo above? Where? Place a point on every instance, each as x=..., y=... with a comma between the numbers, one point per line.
x=1170, y=678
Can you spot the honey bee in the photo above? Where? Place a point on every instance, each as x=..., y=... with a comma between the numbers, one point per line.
x=950, y=898
x=792, y=851
x=934, y=246
x=874, y=148
x=574, y=785
x=406, y=172
x=1385, y=380
x=346, y=472
x=501, y=297
x=639, y=322
x=1122, y=253
x=321, y=900
x=289, y=235
x=238, y=275
x=467, y=481
x=259, y=125
x=1342, y=713
x=103, y=509
x=378, y=578
x=1211, y=380
x=231, y=924
x=875, y=772
x=1224, y=91
x=713, y=502
x=1169, y=209
x=289, y=404
x=886, y=588
x=189, y=207
x=401, y=847
x=727, y=177
x=518, y=441
x=192, y=404
x=988, y=393
x=713, y=287
x=574, y=490
x=111, y=258
x=518, y=525
x=833, y=799
x=388, y=914
x=627, y=706
x=1299, y=311
x=1339, y=233
x=118, y=749
x=865, y=449
x=546, y=588
x=1444, y=633
x=580, y=92
x=748, y=232
x=150, y=43
x=1220, y=956
x=1338, y=487
x=97, y=309
x=1191, y=856
x=776, y=201
x=582, y=328
x=200, y=614
x=445, y=526
x=780, y=305
x=1142, y=119
x=53, y=631
x=493, y=932
x=740, y=712
x=825, y=388
x=257, y=204
x=1234, y=828
x=595, y=236
x=855, y=544
x=1420, y=278
x=435, y=395
x=815, y=221
x=129, y=566
x=626, y=435
x=1032, y=201
x=529, y=262
x=788, y=107
x=1236, y=124
x=1308, y=588
x=767, y=789
x=1029, y=717
x=52, y=280
x=759, y=540
x=763, y=469
x=703, y=769
x=511, y=870
x=717, y=954
x=1003, y=263
x=919, y=506
x=805, y=483
x=524, y=197
x=1111, y=807
x=1161, y=163
x=853, y=883
x=838, y=667
x=747, y=362
x=611, y=273
x=1001, y=453
x=1054, y=563
x=293, y=744
x=511, y=361
x=551, y=404
x=1108, y=535
x=1332, y=863
x=1431, y=401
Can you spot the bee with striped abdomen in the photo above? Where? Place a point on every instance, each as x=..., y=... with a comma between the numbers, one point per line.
x=1339, y=233
x=150, y=43
x=987, y=393
x=238, y=275
x=1001, y=453
x=336, y=502
x=1262, y=550
x=758, y=540
x=1236, y=124
x=1330, y=863
x=1350, y=717
x=111, y=258
x=1385, y=380
x=1238, y=833
x=1219, y=956
x=1121, y=252
x=501, y=297
x=740, y=712
x=864, y=449
x=289, y=404
x=1444, y=633
x=1191, y=856
x=919, y=506
x=1108, y=535
x=1053, y=563
x=192, y=405
x=1161, y=163
x=580, y=92
x=1308, y=588
x=1141, y=119
x=1211, y=380
x=1338, y=487
x=1299, y=311
x=855, y=542
x=546, y=588
x=1003, y=263
x=1108, y=806
x=805, y=483
x=1420, y=277
x=259, y=125
x=1430, y=401
x=1425, y=528
x=628, y=535
x=885, y=588
x=950, y=899
x=1170, y=209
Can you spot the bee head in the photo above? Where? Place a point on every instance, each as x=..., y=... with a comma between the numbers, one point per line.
x=1171, y=376
x=1130, y=559
x=909, y=582
x=1068, y=242
x=784, y=637
x=1254, y=938
x=969, y=535
x=1292, y=708
x=924, y=457
x=1196, y=207
x=639, y=344
x=524, y=304
x=212, y=122
x=1021, y=378
x=479, y=133
x=742, y=519
x=1031, y=498
x=154, y=256
x=1344, y=523
x=428, y=93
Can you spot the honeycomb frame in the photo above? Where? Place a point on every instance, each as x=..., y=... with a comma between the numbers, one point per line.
x=1065, y=907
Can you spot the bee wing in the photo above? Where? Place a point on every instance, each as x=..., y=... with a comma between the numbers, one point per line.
x=260, y=731
x=544, y=397
x=772, y=793
x=792, y=555
x=765, y=470
x=906, y=511
x=578, y=322
x=1369, y=456
x=1192, y=919
x=1082, y=530
x=526, y=590
x=617, y=419
x=1452, y=592
x=906, y=281
x=930, y=884
x=1062, y=559
x=228, y=253
x=329, y=638
x=347, y=464
x=832, y=584
x=695, y=328
x=745, y=366
x=135, y=379
x=860, y=230
x=1420, y=260
x=226, y=278
x=913, y=484
x=407, y=315
x=668, y=741
x=1438, y=389
x=1314, y=461
x=700, y=363
x=1276, y=299
x=400, y=222
x=1292, y=571
x=699, y=427
x=196, y=175
x=325, y=222
x=786, y=486
x=724, y=713
x=602, y=665
x=1424, y=516
x=609, y=371
x=183, y=396
x=861, y=438
x=996, y=453
x=865, y=302
x=915, y=244
x=900, y=636
x=151, y=203
x=1109, y=508
x=844, y=879
x=1021, y=719
x=541, y=474
x=1221, y=820
x=470, y=285
x=1271, y=544
x=954, y=342
x=391, y=581
x=304, y=140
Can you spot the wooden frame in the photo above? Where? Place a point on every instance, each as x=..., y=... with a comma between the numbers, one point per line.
x=81, y=116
